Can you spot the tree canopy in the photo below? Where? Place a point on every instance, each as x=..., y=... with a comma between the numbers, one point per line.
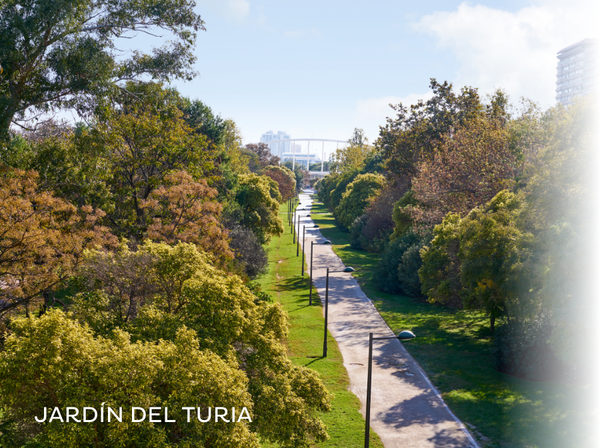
x=66, y=52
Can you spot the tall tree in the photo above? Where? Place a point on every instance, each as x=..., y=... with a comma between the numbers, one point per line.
x=416, y=130
x=65, y=52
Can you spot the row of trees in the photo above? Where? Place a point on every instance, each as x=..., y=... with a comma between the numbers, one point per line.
x=129, y=241
x=475, y=205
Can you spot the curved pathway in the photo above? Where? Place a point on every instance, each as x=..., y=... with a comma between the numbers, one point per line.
x=406, y=410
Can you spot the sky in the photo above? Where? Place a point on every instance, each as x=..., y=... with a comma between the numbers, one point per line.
x=319, y=69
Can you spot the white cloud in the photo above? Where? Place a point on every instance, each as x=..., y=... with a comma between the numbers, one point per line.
x=514, y=51
x=232, y=9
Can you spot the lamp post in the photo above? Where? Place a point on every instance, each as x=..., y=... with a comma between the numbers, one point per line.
x=312, y=243
x=402, y=336
x=348, y=269
x=303, y=246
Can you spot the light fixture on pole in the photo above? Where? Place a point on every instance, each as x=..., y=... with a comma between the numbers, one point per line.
x=402, y=336
x=312, y=243
x=303, y=246
x=348, y=269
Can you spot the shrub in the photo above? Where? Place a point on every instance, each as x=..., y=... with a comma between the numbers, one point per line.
x=357, y=197
x=521, y=347
x=440, y=273
x=408, y=270
x=357, y=240
x=248, y=251
x=385, y=276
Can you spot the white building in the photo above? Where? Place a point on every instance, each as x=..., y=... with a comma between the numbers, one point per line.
x=576, y=71
x=276, y=148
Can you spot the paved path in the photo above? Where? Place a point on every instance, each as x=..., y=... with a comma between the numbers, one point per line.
x=406, y=410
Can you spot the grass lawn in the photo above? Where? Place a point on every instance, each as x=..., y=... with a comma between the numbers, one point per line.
x=345, y=424
x=453, y=346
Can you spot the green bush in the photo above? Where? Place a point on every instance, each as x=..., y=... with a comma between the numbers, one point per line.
x=386, y=276
x=357, y=197
x=408, y=270
x=357, y=239
x=521, y=347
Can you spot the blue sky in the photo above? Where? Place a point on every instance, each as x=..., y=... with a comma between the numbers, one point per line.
x=321, y=68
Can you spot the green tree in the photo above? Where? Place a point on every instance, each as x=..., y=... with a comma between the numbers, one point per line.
x=353, y=156
x=259, y=199
x=490, y=249
x=440, y=273
x=357, y=197
x=65, y=53
x=183, y=288
x=54, y=362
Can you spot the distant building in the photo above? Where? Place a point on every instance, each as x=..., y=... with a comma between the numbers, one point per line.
x=576, y=71
x=276, y=148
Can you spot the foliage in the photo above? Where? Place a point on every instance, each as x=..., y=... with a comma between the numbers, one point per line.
x=440, y=273
x=340, y=184
x=43, y=238
x=522, y=348
x=385, y=275
x=202, y=120
x=379, y=223
x=285, y=178
x=357, y=197
x=408, y=270
x=401, y=214
x=144, y=141
x=184, y=210
x=490, y=248
x=53, y=361
x=353, y=156
x=469, y=166
x=259, y=199
x=414, y=133
x=65, y=53
x=265, y=157
x=248, y=251
x=229, y=319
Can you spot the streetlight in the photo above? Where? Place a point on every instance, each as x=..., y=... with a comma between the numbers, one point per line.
x=348, y=269
x=303, y=245
x=312, y=243
x=402, y=336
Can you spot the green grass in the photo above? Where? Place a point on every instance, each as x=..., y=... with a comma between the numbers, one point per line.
x=453, y=347
x=345, y=424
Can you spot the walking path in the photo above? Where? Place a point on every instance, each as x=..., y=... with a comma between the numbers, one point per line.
x=406, y=410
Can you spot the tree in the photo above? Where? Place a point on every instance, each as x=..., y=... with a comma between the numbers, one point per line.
x=42, y=239
x=259, y=199
x=143, y=142
x=357, y=197
x=415, y=132
x=185, y=289
x=64, y=53
x=468, y=168
x=285, y=178
x=490, y=249
x=54, y=362
x=265, y=157
x=353, y=156
x=440, y=272
x=184, y=210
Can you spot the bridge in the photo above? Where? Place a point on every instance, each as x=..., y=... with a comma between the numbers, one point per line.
x=292, y=149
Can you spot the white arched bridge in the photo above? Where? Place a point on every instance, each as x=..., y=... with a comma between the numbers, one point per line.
x=298, y=151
